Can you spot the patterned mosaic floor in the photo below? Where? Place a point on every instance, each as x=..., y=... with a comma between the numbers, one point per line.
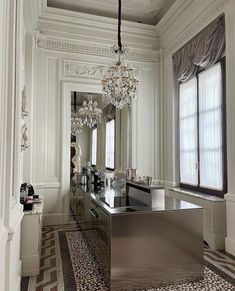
x=51, y=271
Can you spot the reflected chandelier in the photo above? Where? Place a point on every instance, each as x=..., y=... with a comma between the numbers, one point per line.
x=90, y=113
x=76, y=121
x=119, y=81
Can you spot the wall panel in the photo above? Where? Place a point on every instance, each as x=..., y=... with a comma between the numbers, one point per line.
x=52, y=170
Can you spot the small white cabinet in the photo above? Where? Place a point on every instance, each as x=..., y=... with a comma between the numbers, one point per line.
x=214, y=215
x=31, y=229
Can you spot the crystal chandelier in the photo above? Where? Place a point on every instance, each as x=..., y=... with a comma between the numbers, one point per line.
x=76, y=123
x=90, y=113
x=119, y=81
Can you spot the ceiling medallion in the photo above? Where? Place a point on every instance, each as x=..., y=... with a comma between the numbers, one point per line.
x=119, y=81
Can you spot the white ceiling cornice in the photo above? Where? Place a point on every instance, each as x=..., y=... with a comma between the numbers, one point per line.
x=33, y=9
x=79, y=18
x=147, y=11
x=77, y=25
x=191, y=21
x=172, y=15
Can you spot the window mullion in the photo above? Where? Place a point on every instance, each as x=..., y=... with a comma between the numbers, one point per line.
x=198, y=135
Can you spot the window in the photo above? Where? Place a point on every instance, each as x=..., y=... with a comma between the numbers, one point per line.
x=110, y=144
x=94, y=146
x=202, y=132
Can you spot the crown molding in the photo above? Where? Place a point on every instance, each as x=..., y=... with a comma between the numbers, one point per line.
x=33, y=9
x=75, y=25
x=191, y=25
x=68, y=17
x=73, y=46
x=172, y=15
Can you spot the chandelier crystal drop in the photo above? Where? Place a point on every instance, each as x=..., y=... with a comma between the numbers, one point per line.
x=76, y=123
x=119, y=82
x=90, y=113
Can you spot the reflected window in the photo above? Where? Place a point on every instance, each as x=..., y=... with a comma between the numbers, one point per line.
x=94, y=146
x=110, y=145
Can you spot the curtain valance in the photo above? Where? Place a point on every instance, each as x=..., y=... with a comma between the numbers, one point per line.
x=203, y=50
x=109, y=112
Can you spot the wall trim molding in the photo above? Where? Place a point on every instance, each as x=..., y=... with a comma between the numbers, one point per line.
x=3, y=234
x=46, y=185
x=62, y=44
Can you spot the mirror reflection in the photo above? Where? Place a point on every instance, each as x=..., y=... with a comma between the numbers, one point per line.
x=99, y=135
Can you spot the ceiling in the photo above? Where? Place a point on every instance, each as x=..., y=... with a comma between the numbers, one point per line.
x=143, y=11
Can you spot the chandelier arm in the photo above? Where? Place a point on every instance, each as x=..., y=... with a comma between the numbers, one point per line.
x=119, y=25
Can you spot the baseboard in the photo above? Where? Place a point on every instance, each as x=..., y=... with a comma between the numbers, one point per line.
x=230, y=245
x=55, y=219
x=216, y=241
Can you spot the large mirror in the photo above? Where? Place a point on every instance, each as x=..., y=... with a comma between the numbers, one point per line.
x=101, y=141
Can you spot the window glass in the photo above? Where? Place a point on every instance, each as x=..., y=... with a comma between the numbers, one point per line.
x=110, y=144
x=188, y=132
x=201, y=130
x=210, y=128
x=94, y=146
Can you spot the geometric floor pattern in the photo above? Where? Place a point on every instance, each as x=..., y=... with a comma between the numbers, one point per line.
x=50, y=277
x=87, y=276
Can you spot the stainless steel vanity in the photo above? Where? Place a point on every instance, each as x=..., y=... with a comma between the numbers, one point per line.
x=141, y=239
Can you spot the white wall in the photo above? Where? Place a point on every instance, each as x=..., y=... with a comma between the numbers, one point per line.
x=78, y=60
x=47, y=122
x=11, y=85
x=185, y=20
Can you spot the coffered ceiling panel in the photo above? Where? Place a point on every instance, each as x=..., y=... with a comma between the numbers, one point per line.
x=144, y=11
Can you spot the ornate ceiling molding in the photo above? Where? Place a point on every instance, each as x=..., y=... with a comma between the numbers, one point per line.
x=79, y=69
x=87, y=49
x=198, y=25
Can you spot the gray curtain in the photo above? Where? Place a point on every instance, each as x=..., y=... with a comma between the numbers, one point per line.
x=109, y=112
x=205, y=49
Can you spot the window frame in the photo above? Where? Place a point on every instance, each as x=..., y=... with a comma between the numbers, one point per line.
x=108, y=168
x=92, y=145
x=198, y=188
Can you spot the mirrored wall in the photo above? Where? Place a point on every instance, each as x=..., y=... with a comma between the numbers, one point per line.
x=99, y=134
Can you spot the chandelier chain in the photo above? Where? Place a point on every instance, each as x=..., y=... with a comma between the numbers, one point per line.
x=119, y=81
x=119, y=25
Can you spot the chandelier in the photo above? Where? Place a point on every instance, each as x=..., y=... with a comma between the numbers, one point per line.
x=119, y=81
x=76, y=123
x=90, y=113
